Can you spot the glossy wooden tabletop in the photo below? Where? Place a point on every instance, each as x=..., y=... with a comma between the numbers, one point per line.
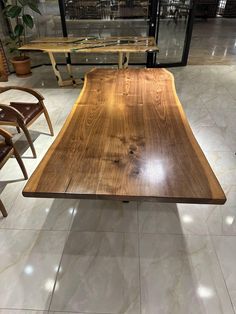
x=127, y=138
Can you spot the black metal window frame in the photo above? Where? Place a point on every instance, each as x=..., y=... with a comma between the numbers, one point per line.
x=154, y=31
x=154, y=19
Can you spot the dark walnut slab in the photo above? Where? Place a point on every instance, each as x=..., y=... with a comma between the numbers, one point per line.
x=127, y=138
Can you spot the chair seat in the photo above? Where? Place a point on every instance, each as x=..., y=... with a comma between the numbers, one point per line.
x=28, y=110
x=4, y=150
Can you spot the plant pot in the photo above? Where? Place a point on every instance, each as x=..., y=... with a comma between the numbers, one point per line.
x=21, y=65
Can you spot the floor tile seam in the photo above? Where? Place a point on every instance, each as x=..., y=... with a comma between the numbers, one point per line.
x=208, y=100
x=211, y=126
x=13, y=203
x=216, y=125
x=75, y=211
x=212, y=118
x=216, y=151
x=139, y=261
x=30, y=229
x=121, y=232
x=57, y=124
x=223, y=235
x=175, y=234
x=222, y=151
x=227, y=88
x=104, y=231
x=21, y=309
x=48, y=311
x=58, y=270
x=222, y=274
x=115, y=232
x=216, y=234
x=73, y=312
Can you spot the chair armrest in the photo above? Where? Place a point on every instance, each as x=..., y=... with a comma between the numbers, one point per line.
x=7, y=136
x=23, y=89
x=12, y=111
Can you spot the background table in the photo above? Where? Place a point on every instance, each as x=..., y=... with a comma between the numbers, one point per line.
x=123, y=46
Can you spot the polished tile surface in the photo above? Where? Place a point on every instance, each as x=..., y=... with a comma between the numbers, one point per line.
x=106, y=216
x=172, y=218
x=106, y=257
x=99, y=273
x=213, y=42
x=28, y=267
x=225, y=248
x=181, y=275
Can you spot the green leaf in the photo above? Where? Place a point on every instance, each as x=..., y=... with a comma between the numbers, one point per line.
x=18, y=30
x=34, y=7
x=27, y=19
x=12, y=36
x=14, y=11
x=23, y=2
x=6, y=9
x=13, y=50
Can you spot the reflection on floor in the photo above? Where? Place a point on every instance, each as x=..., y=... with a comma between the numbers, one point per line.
x=112, y=257
x=213, y=42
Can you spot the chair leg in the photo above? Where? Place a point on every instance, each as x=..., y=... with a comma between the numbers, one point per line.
x=18, y=129
x=20, y=162
x=3, y=209
x=25, y=130
x=48, y=120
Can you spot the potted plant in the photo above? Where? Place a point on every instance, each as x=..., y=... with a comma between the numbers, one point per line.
x=18, y=12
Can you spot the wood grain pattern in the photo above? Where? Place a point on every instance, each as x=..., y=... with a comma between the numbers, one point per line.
x=101, y=45
x=127, y=138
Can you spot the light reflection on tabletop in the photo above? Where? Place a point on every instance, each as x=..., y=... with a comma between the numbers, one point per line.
x=154, y=171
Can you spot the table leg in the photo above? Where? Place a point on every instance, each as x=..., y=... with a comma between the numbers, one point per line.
x=126, y=60
x=69, y=69
x=55, y=69
x=120, y=60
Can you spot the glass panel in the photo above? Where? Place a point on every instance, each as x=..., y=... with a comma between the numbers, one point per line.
x=46, y=24
x=173, y=20
x=221, y=7
x=49, y=23
x=106, y=18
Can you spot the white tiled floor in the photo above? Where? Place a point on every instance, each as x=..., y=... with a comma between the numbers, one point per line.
x=105, y=257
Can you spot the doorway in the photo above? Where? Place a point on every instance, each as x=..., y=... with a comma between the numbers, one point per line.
x=174, y=31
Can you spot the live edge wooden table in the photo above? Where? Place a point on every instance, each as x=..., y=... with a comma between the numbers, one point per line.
x=126, y=138
x=123, y=46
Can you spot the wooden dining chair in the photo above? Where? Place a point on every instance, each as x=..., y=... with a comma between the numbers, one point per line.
x=7, y=150
x=23, y=114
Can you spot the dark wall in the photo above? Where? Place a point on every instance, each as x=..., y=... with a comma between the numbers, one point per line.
x=230, y=9
x=206, y=8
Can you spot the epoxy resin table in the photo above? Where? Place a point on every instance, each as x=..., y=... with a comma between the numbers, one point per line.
x=123, y=46
x=126, y=138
